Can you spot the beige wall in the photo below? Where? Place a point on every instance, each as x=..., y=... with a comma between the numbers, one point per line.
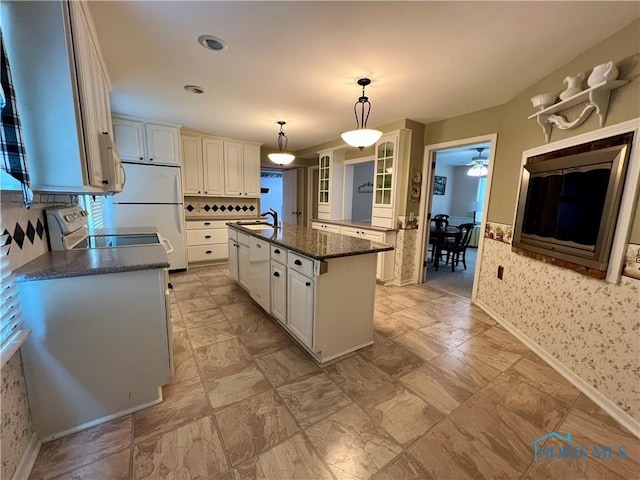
x=516, y=133
x=588, y=325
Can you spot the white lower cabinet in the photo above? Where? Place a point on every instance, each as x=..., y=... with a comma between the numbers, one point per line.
x=259, y=272
x=300, y=311
x=207, y=240
x=233, y=258
x=243, y=261
x=279, y=291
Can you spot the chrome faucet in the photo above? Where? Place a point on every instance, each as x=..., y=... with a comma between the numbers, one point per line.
x=273, y=214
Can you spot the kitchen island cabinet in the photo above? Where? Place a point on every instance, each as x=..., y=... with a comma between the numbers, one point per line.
x=327, y=300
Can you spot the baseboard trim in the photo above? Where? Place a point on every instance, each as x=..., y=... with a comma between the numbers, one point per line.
x=622, y=417
x=402, y=283
x=104, y=419
x=28, y=459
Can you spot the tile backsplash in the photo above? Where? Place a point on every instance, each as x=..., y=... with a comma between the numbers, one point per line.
x=221, y=207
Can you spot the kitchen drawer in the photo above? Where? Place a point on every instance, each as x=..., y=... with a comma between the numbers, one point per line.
x=258, y=250
x=233, y=233
x=201, y=253
x=350, y=231
x=206, y=237
x=205, y=224
x=373, y=236
x=301, y=264
x=279, y=254
x=243, y=238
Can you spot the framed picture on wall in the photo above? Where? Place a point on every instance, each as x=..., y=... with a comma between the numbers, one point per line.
x=439, y=185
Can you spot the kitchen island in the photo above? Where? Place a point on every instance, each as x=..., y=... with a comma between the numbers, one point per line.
x=100, y=342
x=319, y=286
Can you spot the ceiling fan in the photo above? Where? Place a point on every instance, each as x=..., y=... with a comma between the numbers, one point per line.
x=478, y=165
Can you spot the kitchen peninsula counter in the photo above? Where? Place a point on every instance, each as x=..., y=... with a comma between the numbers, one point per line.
x=92, y=261
x=357, y=224
x=314, y=243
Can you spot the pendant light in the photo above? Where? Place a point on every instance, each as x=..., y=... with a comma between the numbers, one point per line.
x=362, y=136
x=478, y=165
x=281, y=157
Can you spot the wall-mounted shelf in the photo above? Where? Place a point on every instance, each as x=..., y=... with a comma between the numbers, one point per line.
x=595, y=98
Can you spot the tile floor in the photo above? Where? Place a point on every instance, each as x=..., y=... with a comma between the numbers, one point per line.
x=445, y=393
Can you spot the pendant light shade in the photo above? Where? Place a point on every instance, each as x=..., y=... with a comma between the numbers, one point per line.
x=282, y=157
x=362, y=136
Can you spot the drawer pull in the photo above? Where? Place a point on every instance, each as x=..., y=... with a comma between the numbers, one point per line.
x=276, y=251
x=258, y=245
x=298, y=262
x=276, y=274
x=308, y=284
x=207, y=236
x=207, y=223
x=208, y=252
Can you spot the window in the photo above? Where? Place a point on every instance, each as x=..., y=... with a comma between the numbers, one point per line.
x=12, y=331
x=482, y=191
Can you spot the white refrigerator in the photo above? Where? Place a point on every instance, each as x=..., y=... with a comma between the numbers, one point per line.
x=152, y=197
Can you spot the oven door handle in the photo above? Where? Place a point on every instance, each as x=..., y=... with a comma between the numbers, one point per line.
x=167, y=244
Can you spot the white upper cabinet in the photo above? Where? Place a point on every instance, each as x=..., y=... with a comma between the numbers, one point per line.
x=391, y=162
x=330, y=187
x=143, y=141
x=192, y=171
x=241, y=169
x=62, y=91
x=218, y=167
x=212, y=166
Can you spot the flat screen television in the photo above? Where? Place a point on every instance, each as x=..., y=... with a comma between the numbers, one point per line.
x=569, y=202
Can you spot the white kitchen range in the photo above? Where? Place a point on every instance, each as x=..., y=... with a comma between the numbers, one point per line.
x=99, y=315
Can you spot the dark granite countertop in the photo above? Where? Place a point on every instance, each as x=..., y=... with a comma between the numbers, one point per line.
x=315, y=243
x=92, y=261
x=356, y=223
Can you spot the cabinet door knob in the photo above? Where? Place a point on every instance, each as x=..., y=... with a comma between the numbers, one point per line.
x=141, y=158
x=206, y=191
x=258, y=245
x=151, y=159
x=198, y=191
x=307, y=284
x=276, y=274
x=207, y=236
x=277, y=251
x=298, y=262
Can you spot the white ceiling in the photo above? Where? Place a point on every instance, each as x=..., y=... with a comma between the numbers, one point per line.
x=299, y=61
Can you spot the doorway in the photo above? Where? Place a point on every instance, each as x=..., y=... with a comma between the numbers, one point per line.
x=456, y=183
x=271, y=186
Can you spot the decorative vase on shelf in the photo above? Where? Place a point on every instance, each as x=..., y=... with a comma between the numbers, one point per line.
x=602, y=73
x=573, y=86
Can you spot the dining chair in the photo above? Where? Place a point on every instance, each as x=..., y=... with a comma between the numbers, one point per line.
x=441, y=219
x=459, y=246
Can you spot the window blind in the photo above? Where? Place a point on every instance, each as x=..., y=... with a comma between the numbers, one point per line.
x=12, y=331
x=95, y=210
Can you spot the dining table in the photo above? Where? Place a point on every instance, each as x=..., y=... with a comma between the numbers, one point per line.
x=441, y=234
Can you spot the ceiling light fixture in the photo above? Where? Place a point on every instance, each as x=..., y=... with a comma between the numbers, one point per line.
x=362, y=136
x=194, y=89
x=478, y=165
x=212, y=43
x=281, y=157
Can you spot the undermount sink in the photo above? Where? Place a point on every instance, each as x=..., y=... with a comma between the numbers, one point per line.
x=257, y=226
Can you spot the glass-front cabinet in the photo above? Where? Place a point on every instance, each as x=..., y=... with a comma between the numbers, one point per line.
x=384, y=173
x=323, y=188
x=330, y=182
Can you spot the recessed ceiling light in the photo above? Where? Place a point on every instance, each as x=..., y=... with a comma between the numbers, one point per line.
x=212, y=43
x=194, y=89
